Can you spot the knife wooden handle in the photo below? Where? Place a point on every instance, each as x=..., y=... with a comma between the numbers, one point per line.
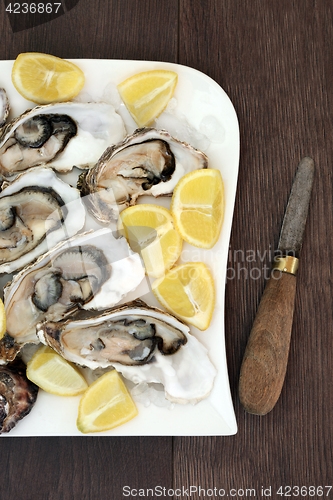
x=265, y=360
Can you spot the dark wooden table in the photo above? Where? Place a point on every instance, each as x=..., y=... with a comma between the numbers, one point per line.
x=275, y=61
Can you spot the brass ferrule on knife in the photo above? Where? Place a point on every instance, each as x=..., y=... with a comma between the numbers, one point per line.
x=287, y=264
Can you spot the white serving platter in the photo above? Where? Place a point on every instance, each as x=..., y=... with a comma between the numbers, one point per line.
x=201, y=102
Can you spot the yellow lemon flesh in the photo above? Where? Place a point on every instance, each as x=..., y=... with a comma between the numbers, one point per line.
x=147, y=94
x=54, y=374
x=151, y=232
x=188, y=292
x=105, y=404
x=43, y=78
x=197, y=207
x=2, y=319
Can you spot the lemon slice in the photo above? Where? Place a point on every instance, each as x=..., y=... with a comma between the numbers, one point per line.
x=151, y=232
x=54, y=374
x=147, y=94
x=105, y=404
x=188, y=292
x=2, y=319
x=43, y=78
x=197, y=207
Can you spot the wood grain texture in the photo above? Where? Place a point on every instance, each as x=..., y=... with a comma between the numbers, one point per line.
x=274, y=61
x=265, y=359
x=117, y=29
x=86, y=468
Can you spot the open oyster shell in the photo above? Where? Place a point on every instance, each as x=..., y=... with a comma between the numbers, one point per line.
x=142, y=342
x=37, y=211
x=92, y=271
x=129, y=334
x=4, y=107
x=62, y=135
x=149, y=162
x=17, y=395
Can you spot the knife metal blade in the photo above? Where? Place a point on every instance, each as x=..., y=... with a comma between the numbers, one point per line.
x=293, y=226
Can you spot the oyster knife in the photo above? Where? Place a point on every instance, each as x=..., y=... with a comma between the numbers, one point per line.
x=265, y=360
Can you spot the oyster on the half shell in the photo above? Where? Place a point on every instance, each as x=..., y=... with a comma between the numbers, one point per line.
x=62, y=135
x=149, y=162
x=142, y=342
x=37, y=211
x=92, y=271
x=129, y=334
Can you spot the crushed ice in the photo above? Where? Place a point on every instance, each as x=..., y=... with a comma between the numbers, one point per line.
x=177, y=125
x=210, y=129
x=83, y=97
x=143, y=393
x=148, y=394
x=111, y=96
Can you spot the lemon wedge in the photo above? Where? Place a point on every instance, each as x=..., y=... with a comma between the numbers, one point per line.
x=105, y=404
x=2, y=319
x=188, y=292
x=197, y=207
x=151, y=232
x=147, y=94
x=42, y=78
x=54, y=374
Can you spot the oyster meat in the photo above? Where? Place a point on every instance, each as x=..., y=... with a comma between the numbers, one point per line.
x=142, y=342
x=37, y=211
x=149, y=162
x=91, y=271
x=62, y=135
x=4, y=107
x=17, y=395
x=129, y=334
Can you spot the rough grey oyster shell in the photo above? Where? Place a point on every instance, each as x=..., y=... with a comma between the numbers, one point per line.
x=17, y=395
x=4, y=107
